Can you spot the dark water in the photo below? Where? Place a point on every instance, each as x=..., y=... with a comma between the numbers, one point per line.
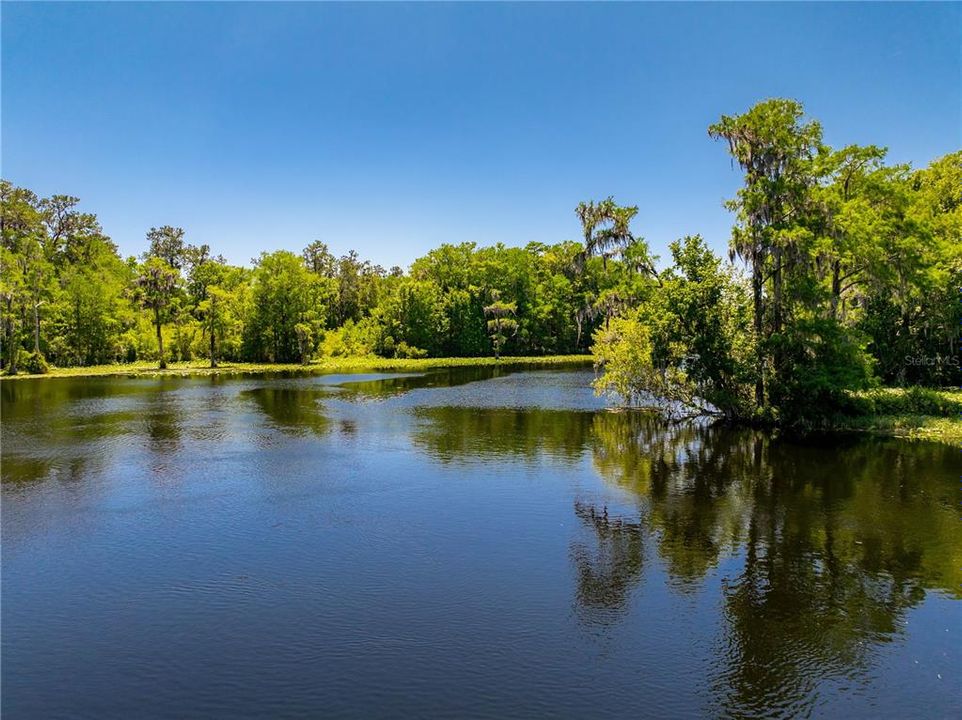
x=457, y=545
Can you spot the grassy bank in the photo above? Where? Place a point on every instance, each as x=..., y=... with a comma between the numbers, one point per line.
x=916, y=427
x=320, y=366
x=921, y=413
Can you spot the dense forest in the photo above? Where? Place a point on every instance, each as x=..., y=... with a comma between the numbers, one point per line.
x=844, y=272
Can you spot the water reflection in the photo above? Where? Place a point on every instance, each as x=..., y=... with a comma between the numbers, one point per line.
x=825, y=546
x=400, y=383
x=831, y=545
x=607, y=573
x=792, y=568
x=295, y=410
x=453, y=434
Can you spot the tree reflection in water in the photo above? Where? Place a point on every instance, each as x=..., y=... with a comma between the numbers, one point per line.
x=825, y=546
x=834, y=544
x=607, y=575
x=799, y=563
x=295, y=410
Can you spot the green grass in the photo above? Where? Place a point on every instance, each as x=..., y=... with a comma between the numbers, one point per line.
x=916, y=427
x=319, y=366
x=920, y=413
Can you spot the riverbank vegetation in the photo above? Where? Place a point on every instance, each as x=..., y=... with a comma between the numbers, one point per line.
x=368, y=363
x=844, y=275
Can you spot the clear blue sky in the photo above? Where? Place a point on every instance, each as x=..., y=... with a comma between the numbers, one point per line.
x=393, y=128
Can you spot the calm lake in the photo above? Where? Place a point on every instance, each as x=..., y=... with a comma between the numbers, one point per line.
x=461, y=544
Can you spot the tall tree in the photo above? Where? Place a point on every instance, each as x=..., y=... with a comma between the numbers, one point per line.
x=319, y=259
x=167, y=243
x=156, y=285
x=501, y=322
x=775, y=148
x=606, y=228
x=280, y=299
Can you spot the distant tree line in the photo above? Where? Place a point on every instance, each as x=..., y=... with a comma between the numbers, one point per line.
x=68, y=298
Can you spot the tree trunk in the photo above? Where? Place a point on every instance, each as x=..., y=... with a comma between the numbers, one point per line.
x=36, y=327
x=11, y=343
x=836, y=287
x=213, y=340
x=758, y=318
x=777, y=291
x=213, y=349
x=160, y=339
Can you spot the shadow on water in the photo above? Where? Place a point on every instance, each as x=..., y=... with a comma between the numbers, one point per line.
x=454, y=434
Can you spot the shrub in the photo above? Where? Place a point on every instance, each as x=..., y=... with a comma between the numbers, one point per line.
x=34, y=363
x=403, y=350
x=910, y=401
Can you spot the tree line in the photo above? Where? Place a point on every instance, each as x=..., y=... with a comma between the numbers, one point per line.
x=68, y=298
x=844, y=271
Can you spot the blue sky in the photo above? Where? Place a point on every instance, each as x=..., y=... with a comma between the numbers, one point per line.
x=391, y=128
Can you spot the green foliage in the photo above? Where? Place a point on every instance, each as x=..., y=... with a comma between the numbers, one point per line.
x=909, y=401
x=412, y=315
x=282, y=296
x=305, y=341
x=167, y=244
x=822, y=363
x=351, y=339
x=34, y=363
x=501, y=323
x=686, y=348
x=854, y=276
x=155, y=286
x=403, y=350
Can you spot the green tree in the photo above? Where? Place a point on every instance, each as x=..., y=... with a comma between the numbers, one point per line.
x=414, y=314
x=167, y=243
x=501, y=323
x=156, y=285
x=606, y=228
x=687, y=348
x=319, y=259
x=305, y=341
x=214, y=311
x=776, y=150
x=281, y=296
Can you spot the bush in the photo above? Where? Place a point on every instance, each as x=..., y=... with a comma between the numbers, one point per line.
x=34, y=363
x=403, y=350
x=821, y=364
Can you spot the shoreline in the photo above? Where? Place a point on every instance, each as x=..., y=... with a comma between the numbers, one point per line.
x=906, y=425
x=201, y=368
